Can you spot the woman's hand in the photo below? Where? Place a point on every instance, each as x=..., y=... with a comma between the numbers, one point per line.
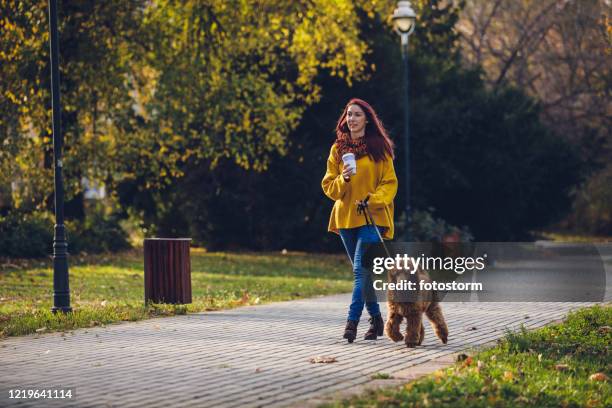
x=347, y=172
x=362, y=204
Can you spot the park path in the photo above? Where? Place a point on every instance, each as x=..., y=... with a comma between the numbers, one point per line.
x=247, y=357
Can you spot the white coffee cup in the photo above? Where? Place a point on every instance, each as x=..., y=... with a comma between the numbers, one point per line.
x=349, y=158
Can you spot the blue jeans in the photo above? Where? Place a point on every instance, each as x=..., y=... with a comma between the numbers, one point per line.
x=353, y=240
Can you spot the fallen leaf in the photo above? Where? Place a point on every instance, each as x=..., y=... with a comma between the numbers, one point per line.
x=561, y=367
x=47, y=352
x=480, y=364
x=103, y=303
x=592, y=403
x=322, y=359
x=508, y=375
x=256, y=301
x=383, y=398
x=156, y=326
x=41, y=330
x=604, y=330
x=521, y=398
x=598, y=377
x=258, y=370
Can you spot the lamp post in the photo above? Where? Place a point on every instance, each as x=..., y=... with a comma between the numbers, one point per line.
x=404, y=19
x=61, y=289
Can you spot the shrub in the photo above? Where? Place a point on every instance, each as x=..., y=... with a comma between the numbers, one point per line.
x=26, y=235
x=30, y=235
x=426, y=227
x=97, y=233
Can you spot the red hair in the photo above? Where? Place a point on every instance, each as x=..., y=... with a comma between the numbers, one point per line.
x=378, y=142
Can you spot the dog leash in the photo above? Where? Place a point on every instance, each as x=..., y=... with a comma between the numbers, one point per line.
x=363, y=208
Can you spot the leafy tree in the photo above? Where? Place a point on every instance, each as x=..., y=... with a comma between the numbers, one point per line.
x=480, y=158
x=95, y=90
x=148, y=87
x=214, y=119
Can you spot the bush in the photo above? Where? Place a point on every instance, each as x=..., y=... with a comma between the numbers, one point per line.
x=97, y=233
x=592, y=209
x=30, y=235
x=24, y=235
x=427, y=228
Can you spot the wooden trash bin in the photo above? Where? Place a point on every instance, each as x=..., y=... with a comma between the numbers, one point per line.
x=167, y=268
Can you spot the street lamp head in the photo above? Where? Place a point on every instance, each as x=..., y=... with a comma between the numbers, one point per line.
x=404, y=18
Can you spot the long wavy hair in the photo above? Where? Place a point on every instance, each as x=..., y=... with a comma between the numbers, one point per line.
x=378, y=142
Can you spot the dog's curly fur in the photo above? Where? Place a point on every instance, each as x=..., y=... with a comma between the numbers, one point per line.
x=425, y=302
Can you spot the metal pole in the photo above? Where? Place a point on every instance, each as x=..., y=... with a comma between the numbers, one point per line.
x=61, y=289
x=406, y=94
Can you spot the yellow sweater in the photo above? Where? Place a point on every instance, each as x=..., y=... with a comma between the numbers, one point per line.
x=376, y=179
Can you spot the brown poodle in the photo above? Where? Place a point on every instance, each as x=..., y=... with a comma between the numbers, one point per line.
x=412, y=307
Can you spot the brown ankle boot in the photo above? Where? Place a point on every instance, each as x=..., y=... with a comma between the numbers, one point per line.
x=377, y=326
x=350, y=331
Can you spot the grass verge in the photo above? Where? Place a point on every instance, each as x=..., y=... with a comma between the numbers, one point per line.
x=110, y=288
x=563, y=365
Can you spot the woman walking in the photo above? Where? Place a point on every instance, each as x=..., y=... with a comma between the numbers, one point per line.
x=360, y=132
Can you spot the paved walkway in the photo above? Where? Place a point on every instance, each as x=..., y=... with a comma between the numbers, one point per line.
x=247, y=357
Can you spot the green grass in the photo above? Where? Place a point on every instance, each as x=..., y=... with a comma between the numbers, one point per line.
x=110, y=288
x=381, y=376
x=548, y=367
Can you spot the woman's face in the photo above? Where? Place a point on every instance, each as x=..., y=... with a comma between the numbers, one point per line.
x=355, y=119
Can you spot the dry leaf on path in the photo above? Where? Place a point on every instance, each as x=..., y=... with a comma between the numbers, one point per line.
x=323, y=359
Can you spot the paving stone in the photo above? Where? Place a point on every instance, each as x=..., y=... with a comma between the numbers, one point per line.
x=246, y=357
